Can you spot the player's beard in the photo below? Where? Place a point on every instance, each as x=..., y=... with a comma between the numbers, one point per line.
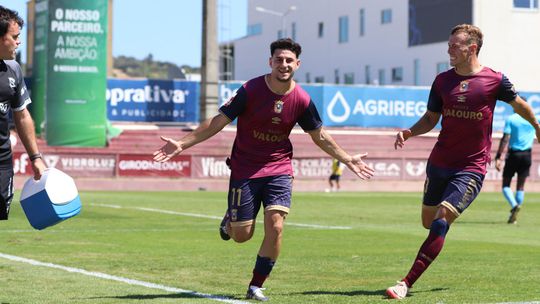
x=291, y=74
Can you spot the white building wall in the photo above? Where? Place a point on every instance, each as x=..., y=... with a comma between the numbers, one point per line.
x=511, y=41
x=512, y=38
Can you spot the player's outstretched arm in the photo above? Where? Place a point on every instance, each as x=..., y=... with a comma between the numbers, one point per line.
x=425, y=124
x=206, y=129
x=524, y=110
x=355, y=163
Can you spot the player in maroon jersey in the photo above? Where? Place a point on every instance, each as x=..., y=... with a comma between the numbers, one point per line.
x=465, y=97
x=267, y=108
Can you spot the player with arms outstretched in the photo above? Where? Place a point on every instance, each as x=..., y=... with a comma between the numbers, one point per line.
x=267, y=108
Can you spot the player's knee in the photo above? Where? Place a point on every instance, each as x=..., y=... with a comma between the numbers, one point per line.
x=440, y=227
x=243, y=234
x=241, y=237
x=275, y=231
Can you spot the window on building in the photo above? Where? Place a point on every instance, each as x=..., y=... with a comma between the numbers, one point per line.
x=526, y=4
x=367, y=74
x=386, y=16
x=382, y=77
x=319, y=79
x=362, y=22
x=442, y=67
x=343, y=29
x=254, y=29
x=280, y=34
x=416, y=64
x=320, y=30
x=397, y=74
x=348, y=78
x=336, y=76
x=308, y=77
x=293, y=31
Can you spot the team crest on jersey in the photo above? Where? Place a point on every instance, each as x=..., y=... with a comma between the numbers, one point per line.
x=278, y=106
x=464, y=86
x=12, y=82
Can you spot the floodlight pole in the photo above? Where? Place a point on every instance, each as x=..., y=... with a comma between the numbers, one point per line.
x=209, y=101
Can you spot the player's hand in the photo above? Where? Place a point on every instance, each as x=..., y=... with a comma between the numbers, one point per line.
x=168, y=151
x=38, y=166
x=361, y=169
x=401, y=137
x=498, y=164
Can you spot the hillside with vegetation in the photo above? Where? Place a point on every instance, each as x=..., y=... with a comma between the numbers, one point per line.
x=130, y=67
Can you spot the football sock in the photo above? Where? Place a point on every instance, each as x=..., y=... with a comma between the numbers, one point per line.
x=509, y=195
x=520, y=196
x=263, y=267
x=430, y=249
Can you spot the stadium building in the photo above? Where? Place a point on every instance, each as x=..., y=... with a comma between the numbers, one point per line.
x=387, y=42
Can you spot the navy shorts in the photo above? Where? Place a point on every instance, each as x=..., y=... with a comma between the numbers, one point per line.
x=6, y=191
x=517, y=162
x=335, y=177
x=247, y=195
x=454, y=189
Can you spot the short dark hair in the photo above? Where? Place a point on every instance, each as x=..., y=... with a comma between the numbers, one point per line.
x=474, y=33
x=6, y=17
x=286, y=44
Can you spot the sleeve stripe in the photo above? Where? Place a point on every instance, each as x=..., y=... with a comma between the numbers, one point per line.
x=23, y=106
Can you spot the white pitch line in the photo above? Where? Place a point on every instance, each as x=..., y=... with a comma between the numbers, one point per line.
x=217, y=217
x=120, y=279
x=533, y=302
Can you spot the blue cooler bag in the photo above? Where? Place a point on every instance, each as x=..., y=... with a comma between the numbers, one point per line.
x=51, y=199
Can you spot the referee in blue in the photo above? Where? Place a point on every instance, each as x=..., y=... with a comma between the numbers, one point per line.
x=519, y=134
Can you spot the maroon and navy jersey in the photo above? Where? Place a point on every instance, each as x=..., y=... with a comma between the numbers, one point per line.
x=265, y=120
x=466, y=104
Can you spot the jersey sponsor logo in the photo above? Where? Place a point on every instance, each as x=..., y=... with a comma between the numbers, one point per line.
x=278, y=106
x=463, y=114
x=4, y=107
x=12, y=82
x=276, y=120
x=461, y=98
x=269, y=137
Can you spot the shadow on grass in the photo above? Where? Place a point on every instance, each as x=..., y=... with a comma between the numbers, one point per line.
x=482, y=222
x=168, y=296
x=345, y=293
x=380, y=292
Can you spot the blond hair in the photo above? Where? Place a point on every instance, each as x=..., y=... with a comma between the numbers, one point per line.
x=474, y=33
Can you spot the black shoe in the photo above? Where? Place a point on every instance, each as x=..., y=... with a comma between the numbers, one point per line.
x=513, y=215
x=223, y=228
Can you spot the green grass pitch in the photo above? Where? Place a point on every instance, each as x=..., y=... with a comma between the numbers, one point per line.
x=171, y=239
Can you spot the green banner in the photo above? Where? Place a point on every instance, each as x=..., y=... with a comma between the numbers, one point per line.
x=39, y=67
x=76, y=79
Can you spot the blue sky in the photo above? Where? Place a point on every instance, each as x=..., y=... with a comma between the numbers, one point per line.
x=170, y=30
